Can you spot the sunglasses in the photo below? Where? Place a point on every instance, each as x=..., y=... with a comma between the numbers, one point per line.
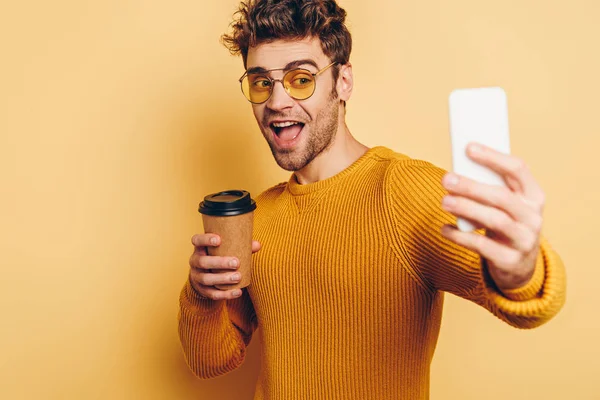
x=299, y=83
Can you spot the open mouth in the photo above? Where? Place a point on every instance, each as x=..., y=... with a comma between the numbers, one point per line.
x=286, y=132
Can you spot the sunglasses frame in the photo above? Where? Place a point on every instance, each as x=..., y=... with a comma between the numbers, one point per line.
x=315, y=74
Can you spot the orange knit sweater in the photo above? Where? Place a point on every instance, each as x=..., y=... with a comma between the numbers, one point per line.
x=348, y=288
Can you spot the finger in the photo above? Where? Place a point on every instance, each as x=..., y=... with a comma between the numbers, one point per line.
x=206, y=240
x=213, y=262
x=500, y=254
x=216, y=294
x=256, y=246
x=496, y=196
x=512, y=169
x=210, y=279
x=519, y=236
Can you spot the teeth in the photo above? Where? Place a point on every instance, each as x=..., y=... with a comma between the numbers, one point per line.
x=284, y=124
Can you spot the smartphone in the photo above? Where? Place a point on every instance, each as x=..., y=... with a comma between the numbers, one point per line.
x=477, y=115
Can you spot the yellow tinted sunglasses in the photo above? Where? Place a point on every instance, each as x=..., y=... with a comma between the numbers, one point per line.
x=299, y=83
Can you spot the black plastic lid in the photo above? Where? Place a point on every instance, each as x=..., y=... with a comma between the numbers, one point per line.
x=227, y=204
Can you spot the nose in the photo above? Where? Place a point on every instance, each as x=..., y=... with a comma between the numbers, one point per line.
x=280, y=99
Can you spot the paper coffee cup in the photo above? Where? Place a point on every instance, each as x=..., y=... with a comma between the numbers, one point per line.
x=230, y=214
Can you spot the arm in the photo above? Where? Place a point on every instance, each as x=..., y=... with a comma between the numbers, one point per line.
x=214, y=333
x=415, y=193
x=216, y=327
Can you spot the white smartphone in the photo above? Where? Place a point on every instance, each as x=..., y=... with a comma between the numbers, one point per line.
x=477, y=115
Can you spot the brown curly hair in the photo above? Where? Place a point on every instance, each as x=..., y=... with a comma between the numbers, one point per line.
x=264, y=21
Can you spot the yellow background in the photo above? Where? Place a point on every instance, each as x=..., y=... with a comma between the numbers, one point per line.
x=117, y=117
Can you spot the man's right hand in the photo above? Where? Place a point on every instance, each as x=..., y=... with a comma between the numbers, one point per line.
x=207, y=271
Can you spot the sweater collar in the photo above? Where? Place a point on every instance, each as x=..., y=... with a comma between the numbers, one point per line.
x=297, y=189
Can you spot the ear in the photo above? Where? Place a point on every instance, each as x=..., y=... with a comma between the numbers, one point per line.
x=345, y=82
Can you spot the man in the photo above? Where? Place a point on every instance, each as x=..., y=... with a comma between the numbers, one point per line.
x=359, y=245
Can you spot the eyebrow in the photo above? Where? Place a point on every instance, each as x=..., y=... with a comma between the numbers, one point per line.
x=291, y=65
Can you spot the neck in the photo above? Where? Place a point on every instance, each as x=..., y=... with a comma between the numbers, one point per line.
x=343, y=151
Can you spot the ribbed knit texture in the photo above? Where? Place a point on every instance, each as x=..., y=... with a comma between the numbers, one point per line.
x=348, y=287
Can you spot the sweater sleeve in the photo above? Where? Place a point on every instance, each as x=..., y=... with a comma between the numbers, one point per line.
x=214, y=333
x=414, y=193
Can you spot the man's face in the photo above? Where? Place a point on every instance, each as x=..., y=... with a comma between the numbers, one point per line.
x=313, y=122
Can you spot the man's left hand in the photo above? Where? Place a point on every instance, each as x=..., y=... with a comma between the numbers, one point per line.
x=511, y=216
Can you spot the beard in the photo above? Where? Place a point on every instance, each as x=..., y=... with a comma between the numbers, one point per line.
x=318, y=137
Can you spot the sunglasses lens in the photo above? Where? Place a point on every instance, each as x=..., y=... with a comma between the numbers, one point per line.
x=256, y=88
x=299, y=83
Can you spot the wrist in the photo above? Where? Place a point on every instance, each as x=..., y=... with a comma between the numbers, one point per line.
x=528, y=288
x=513, y=279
